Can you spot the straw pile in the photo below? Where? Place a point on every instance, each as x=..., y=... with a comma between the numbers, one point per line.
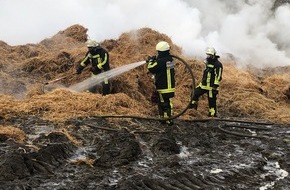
x=60, y=105
x=242, y=93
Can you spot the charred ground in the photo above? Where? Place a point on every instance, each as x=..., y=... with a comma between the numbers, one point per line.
x=95, y=153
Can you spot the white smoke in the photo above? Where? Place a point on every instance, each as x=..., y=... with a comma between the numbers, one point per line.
x=249, y=30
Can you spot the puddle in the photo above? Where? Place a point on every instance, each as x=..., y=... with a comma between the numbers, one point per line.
x=273, y=169
x=37, y=130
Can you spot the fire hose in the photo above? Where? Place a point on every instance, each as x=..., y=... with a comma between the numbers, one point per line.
x=56, y=80
x=187, y=66
x=163, y=119
x=59, y=79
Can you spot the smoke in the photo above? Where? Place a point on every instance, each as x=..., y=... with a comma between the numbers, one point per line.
x=249, y=30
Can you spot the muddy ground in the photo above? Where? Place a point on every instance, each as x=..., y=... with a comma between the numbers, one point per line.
x=128, y=153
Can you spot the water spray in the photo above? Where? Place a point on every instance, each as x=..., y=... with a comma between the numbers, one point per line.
x=90, y=82
x=114, y=72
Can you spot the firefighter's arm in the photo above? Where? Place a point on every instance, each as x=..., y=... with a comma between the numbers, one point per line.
x=80, y=67
x=218, y=77
x=103, y=61
x=152, y=64
x=86, y=60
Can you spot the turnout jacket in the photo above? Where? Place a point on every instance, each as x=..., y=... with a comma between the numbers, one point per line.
x=212, y=74
x=163, y=70
x=99, y=58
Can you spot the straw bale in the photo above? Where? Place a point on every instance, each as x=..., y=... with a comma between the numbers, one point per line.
x=13, y=132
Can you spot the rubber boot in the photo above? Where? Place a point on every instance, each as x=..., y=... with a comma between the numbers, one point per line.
x=212, y=112
x=169, y=122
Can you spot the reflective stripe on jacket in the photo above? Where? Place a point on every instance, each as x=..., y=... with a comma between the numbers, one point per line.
x=163, y=70
x=99, y=58
x=212, y=74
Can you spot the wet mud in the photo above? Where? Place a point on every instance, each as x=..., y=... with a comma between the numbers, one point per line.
x=98, y=153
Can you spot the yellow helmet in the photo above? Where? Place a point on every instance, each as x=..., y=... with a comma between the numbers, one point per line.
x=210, y=51
x=91, y=43
x=162, y=46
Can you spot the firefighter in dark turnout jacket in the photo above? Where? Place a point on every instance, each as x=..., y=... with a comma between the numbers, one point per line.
x=98, y=57
x=162, y=68
x=212, y=75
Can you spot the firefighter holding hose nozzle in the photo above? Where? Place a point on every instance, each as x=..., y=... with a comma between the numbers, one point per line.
x=162, y=68
x=98, y=57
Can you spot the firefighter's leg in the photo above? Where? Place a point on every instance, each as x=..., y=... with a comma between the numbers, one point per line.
x=106, y=87
x=169, y=111
x=165, y=108
x=160, y=107
x=212, y=98
x=197, y=93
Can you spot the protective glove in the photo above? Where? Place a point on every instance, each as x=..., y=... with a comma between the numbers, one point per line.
x=215, y=86
x=150, y=59
x=99, y=66
x=79, y=69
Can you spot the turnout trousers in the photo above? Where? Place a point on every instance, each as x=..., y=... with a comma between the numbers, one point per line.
x=165, y=107
x=212, y=99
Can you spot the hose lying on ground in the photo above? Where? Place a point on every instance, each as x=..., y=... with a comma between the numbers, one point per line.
x=240, y=134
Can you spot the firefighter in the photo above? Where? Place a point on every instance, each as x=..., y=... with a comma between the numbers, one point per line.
x=162, y=68
x=98, y=57
x=212, y=75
